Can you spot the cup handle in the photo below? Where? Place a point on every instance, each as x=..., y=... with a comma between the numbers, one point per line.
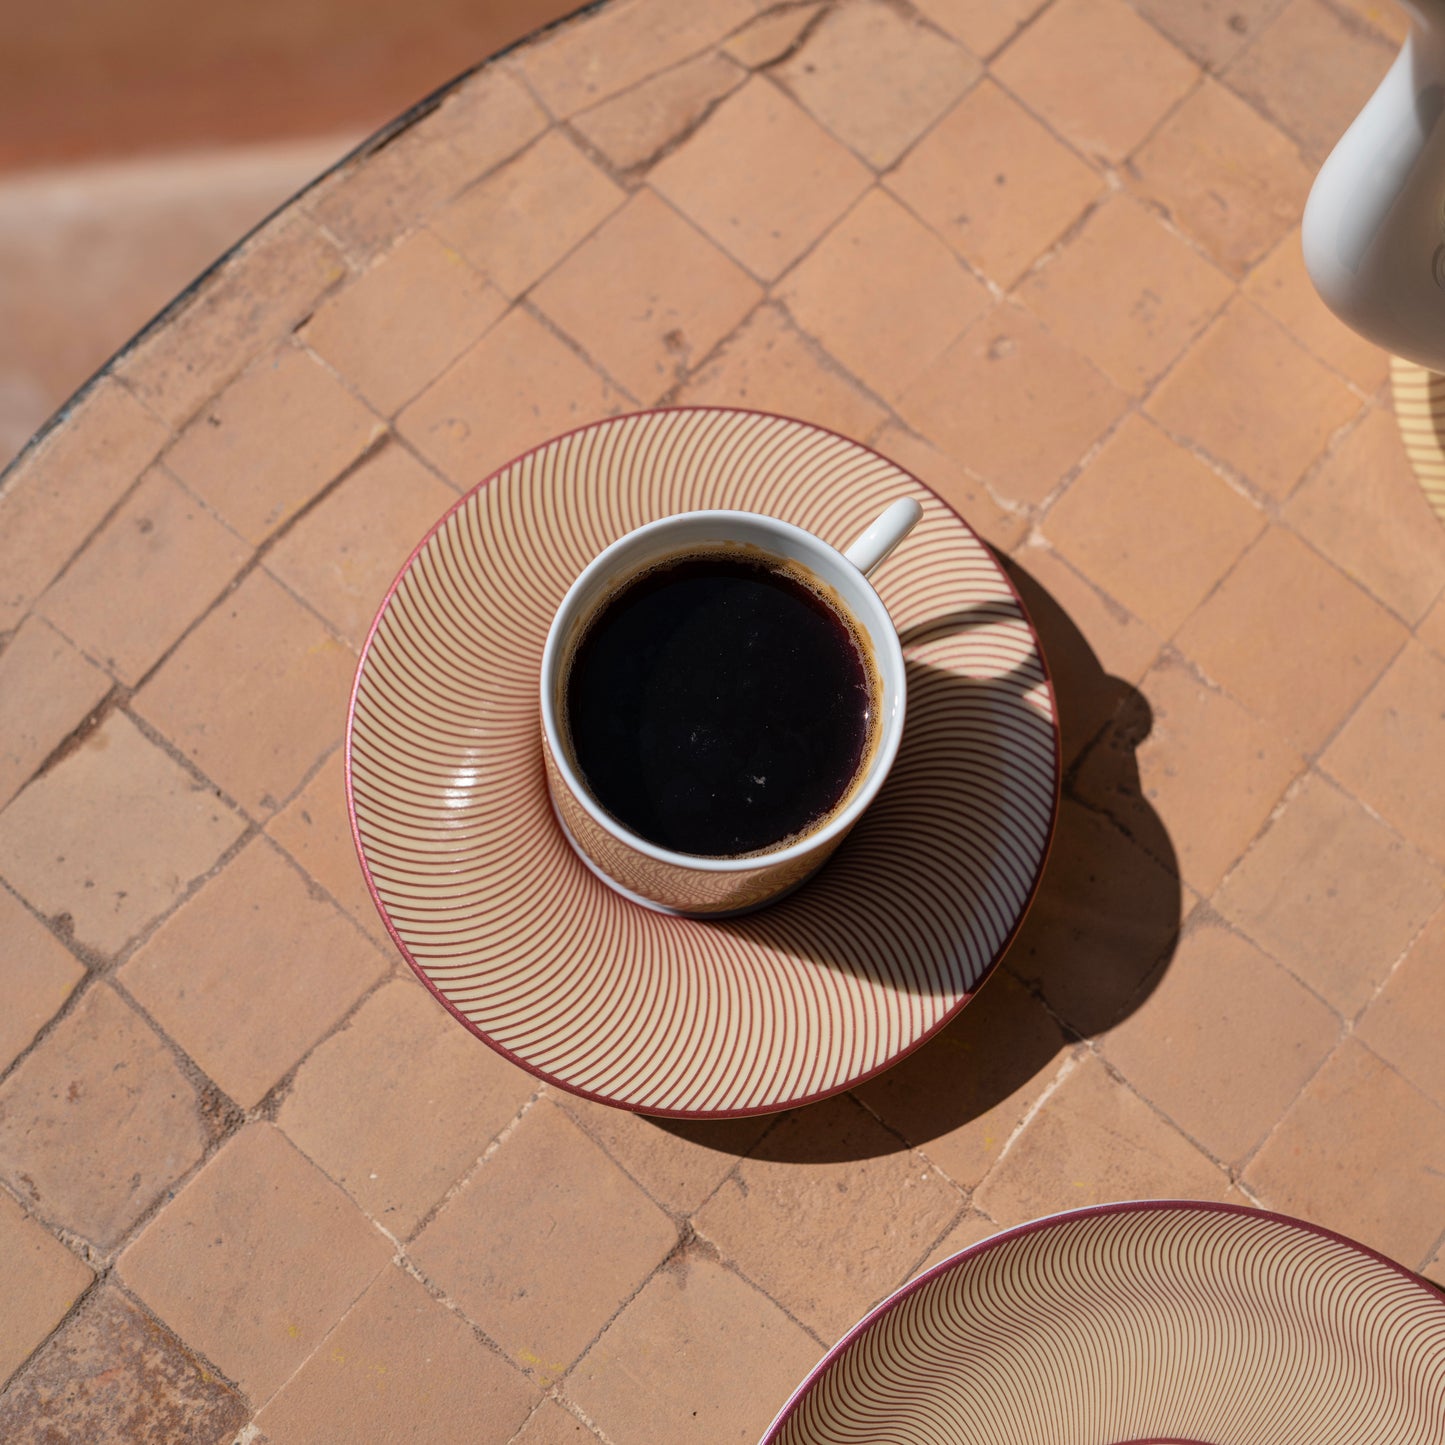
x=877, y=541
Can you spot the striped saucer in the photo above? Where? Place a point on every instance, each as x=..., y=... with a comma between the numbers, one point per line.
x=1153, y=1323
x=666, y=1015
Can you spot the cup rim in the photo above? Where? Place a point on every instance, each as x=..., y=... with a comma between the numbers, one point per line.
x=841, y=821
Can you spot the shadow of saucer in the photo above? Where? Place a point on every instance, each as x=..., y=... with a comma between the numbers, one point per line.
x=1100, y=932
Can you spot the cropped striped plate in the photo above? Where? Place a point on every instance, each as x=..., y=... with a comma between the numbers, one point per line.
x=664, y=1015
x=1140, y=1324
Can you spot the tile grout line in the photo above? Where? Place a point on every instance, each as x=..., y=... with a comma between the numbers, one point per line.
x=389, y=417
x=470, y=1171
x=686, y=1242
x=1272, y=10
x=905, y=11
x=107, y=517
x=100, y=966
x=529, y=307
x=1435, y=1249
x=736, y=1270
x=226, y=267
x=1067, y=1067
x=1229, y=1171
x=1351, y=22
x=1394, y=968
x=1171, y=654
x=257, y=1406
x=631, y=178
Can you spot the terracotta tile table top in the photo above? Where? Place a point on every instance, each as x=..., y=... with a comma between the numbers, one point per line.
x=255, y=1185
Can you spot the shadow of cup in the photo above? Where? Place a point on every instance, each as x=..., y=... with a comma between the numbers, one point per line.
x=1100, y=933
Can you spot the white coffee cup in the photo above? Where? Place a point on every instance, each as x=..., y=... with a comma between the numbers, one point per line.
x=688, y=883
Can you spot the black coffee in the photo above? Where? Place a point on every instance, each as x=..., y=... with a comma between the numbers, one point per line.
x=718, y=705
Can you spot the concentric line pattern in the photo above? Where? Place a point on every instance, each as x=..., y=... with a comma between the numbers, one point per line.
x=1207, y=1323
x=654, y=1013
x=1420, y=412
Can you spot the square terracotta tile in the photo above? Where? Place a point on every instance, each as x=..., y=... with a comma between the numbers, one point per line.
x=1312, y=70
x=1127, y=292
x=1221, y=1012
x=762, y=178
x=1283, y=287
x=683, y=1333
x=379, y=197
x=516, y=388
x=963, y=491
x=255, y=1260
x=276, y=279
x=610, y=50
x=1210, y=773
x=679, y=1162
x=42, y=1280
x=1152, y=524
x=1011, y=402
x=61, y=490
x=101, y=1076
x=961, y=1096
x=507, y=1246
x=768, y=365
x=315, y=830
x=249, y=973
x=154, y=567
x=1332, y=893
x=47, y=690
x=1227, y=177
x=274, y=439
x=1095, y=1141
x=982, y=25
x=1255, y=399
x=1292, y=638
x=876, y=78
x=1106, y=916
x=1399, y=1024
x=994, y=183
x=1101, y=76
x=519, y=222
x=883, y=294
x=255, y=696
x=1361, y=1152
x=111, y=836
x=399, y=1104
x=1381, y=755
x=1212, y=31
x=647, y=297
x=1363, y=508
x=343, y=554
x=400, y=1365
x=404, y=321
x=632, y=128
x=40, y=974
x=827, y=1173
x=113, y=1376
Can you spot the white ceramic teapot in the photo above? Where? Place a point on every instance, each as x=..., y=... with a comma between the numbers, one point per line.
x=1374, y=226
